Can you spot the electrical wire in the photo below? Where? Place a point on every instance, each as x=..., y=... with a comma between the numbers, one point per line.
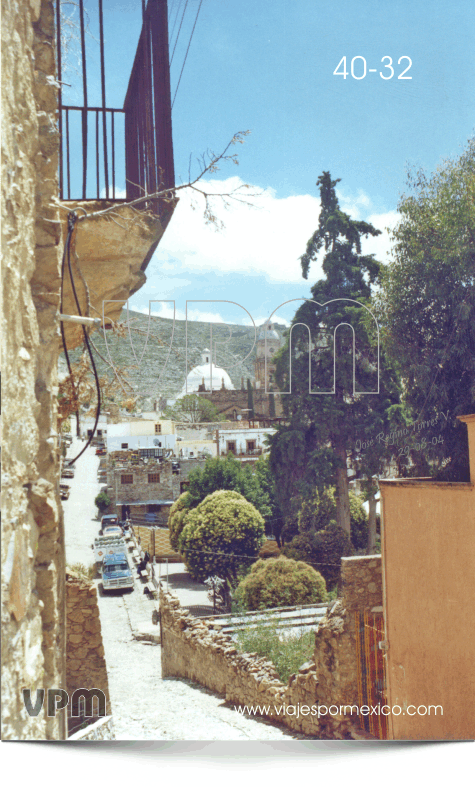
x=72, y=218
x=179, y=30
x=187, y=50
x=63, y=336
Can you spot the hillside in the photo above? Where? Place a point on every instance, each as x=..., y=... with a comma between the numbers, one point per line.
x=161, y=372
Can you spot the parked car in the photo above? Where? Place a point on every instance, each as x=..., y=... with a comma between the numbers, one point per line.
x=109, y=519
x=67, y=473
x=64, y=491
x=116, y=572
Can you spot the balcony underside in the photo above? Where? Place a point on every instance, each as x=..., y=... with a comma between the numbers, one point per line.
x=109, y=255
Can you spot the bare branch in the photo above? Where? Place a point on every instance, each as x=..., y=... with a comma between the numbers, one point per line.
x=209, y=163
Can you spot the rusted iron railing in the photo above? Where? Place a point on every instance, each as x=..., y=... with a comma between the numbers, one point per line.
x=120, y=153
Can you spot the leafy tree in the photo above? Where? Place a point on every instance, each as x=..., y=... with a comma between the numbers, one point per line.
x=221, y=535
x=323, y=550
x=102, y=501
x=176, y=518
x=193, y=409
x=278, y=582
x=317, y=513
x=321, y=436
x=427, y=307
x=227, y=473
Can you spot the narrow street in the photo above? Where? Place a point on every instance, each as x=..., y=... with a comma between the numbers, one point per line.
x=145, y=706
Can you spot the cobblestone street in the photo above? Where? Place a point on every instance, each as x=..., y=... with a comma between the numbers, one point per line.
x=143, y=705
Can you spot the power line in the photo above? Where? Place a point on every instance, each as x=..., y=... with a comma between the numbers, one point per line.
x=179, y=30
x=188, y=49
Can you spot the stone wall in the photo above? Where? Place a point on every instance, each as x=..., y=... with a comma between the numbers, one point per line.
x=86, y=665
x=102, y=730
x=168, y=488
x=197, y=650
x=32, y=530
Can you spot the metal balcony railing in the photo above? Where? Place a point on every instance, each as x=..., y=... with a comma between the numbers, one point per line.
x=118, y=153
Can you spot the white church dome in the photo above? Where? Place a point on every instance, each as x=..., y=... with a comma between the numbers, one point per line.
x=206, y=373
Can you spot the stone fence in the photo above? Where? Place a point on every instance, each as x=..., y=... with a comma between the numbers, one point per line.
x=85, y=662
x=197, y=650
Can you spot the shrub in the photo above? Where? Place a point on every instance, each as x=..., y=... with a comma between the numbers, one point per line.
x=286, y=649
x=176, y=518
x=102, y=501
x=323, y=550
x=278, y=582
x=316, y=513
x=222, y=534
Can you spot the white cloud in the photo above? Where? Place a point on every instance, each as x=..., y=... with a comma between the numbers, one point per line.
x=266, y=239
x=166, y=310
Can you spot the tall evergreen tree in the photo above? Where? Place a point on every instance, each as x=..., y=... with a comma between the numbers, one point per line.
x=325, y=429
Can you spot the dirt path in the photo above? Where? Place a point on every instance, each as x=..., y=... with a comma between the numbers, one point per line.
x=145, y=706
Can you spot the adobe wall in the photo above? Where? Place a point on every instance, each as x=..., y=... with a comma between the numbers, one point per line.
x=86, y=665
x=32, y=528
x=197, y=650
x=428, y=544
x=163, y=548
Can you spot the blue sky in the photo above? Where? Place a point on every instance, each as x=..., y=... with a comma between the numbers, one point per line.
x=267, y=66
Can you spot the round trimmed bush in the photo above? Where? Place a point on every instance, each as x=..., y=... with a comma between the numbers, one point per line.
x=176, y=518
x=278, y=582
x=221, y=535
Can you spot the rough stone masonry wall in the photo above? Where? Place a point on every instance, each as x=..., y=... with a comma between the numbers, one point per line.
x=197, y=650
x=168, y=488
x=32, y=530
x=86, y=665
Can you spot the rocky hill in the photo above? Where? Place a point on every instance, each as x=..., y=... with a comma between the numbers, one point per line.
x=157, y=366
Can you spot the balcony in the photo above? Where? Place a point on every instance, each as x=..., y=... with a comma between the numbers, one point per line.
x=113, y=153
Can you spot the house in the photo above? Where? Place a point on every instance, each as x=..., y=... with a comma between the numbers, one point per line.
x=151, y=438
x=247, y=443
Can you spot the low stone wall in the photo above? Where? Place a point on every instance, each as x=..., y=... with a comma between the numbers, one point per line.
x=102, y=730
x=197, y=650
x=85, y=662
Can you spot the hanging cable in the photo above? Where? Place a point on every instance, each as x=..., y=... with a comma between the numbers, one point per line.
x=72, y=218
x=179, y=30
x=178, y=8
x=188, y=49
x=63, y=336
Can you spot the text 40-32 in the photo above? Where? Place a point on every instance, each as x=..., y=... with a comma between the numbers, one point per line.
x=359, y=68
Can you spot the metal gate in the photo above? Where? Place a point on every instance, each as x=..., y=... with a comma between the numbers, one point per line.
x=369, y=630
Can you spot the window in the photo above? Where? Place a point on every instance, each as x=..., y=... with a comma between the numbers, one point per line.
x=153, y=478
x=251, y=446
x=124, y=445
x=127, y=478
x=150, y=452
x=158, y=429
x=231, y=446
x=153, y=507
